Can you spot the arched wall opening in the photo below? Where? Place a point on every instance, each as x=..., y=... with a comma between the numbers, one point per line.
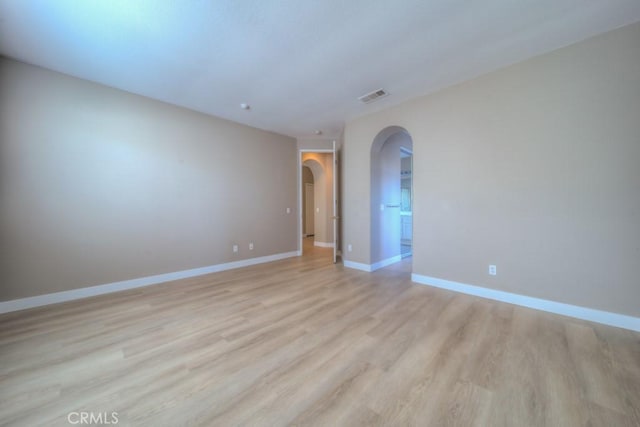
x=387, y=195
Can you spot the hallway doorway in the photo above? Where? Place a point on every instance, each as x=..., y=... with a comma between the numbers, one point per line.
x=317, y=198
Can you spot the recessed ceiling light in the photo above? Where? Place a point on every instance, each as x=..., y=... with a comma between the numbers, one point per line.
x=318, y=132
x=245, y=106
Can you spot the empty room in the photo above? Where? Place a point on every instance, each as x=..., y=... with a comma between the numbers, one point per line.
x=360, y=213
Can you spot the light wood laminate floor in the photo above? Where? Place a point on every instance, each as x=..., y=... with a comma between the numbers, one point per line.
x=305, y=342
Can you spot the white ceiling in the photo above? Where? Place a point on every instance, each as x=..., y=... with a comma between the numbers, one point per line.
x=300, y=64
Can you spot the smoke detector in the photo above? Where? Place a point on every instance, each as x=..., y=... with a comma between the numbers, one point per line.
x=368, y=98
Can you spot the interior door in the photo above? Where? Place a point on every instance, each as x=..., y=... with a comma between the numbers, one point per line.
x=335, y=202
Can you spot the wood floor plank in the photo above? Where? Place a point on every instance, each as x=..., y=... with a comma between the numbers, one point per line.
x=305, y=342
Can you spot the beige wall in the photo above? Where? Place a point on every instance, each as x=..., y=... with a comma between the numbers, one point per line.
x=98, y=185
x=307, y=178
x=534, y=168
x=315, y=144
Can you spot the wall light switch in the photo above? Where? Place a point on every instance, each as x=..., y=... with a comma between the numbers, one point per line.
x=349, y=247
x=288, y=210
x=317, y=210
x=492, y=270
x=235, y=248
x=251, y=246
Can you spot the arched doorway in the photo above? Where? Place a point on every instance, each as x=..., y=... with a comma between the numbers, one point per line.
x=391, y=196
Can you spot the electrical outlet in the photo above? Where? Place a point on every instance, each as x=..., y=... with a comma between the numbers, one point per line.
x=492, y=270
x=251, y=246
x=235, y=248
x=349, y=247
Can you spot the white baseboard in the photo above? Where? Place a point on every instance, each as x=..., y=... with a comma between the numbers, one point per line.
x=372, y=267
x=323, y=244
x=73, y=294
x=593, y=315
x=356, y=265
x=386, y=262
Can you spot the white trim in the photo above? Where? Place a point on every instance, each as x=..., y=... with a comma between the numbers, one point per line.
x=300, y=187
x=334, y=199
x=57, y=297
x=386, y=262
x=593, y=315
x=372, y=267
x=357, y=265
x=323, y=244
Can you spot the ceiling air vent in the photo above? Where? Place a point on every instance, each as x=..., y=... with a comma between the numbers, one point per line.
x=367, y=98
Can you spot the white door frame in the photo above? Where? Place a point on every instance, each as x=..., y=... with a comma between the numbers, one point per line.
x=334, y=201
